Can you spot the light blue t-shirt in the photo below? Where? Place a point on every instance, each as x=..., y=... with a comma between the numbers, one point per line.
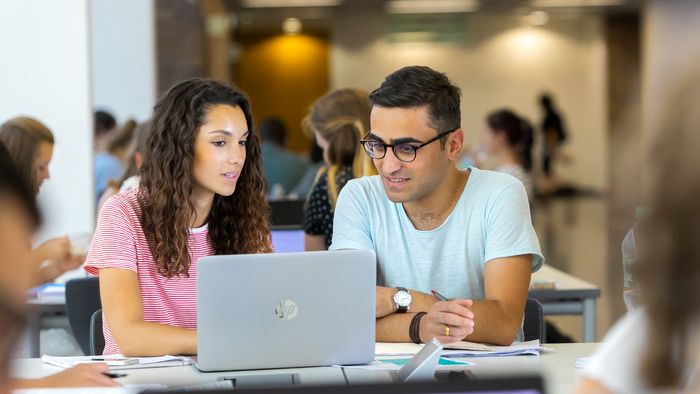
x=107, y=168
x=490, y=221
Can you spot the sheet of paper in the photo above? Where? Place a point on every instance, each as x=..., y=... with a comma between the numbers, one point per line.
x=144, y=362
x=409, y=349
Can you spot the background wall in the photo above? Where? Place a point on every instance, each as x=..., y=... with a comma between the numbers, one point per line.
x=123, y=57
x=46, y=74
x=500, y=63
x=670, y=52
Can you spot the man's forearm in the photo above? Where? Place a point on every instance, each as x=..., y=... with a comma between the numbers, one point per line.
x=394, y=328
x=421, y=302
x=494, y=324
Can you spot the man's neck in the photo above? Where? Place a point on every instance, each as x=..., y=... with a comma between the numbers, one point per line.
x=430, y=212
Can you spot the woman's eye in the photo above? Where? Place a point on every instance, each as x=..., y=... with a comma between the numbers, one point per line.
x=243, y=143
x=219, y=143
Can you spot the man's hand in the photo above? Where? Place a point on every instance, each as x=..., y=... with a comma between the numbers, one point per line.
x=455, y=315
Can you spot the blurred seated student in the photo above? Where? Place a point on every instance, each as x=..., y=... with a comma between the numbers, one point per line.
x=337, y=121
x=656, y=348
x=467, y=234
x=282, y=167
x=30, y=144
x=130, y=178
x=104, y=125
x=303, y=187
x=508, y=141
x=19, y=218
x=202, y=192
x=109, y=164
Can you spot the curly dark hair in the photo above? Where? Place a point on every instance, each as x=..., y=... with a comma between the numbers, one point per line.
x=237, y=223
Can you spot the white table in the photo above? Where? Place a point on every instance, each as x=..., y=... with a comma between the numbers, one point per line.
x=557, y=368
x=572, y=296
x=43, y=314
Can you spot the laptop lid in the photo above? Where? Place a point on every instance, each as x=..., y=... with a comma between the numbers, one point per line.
x=285, y=310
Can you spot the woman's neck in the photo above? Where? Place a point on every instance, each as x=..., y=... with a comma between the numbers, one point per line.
x=202, y=202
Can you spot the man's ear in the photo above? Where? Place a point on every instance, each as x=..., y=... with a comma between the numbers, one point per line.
x=455, y=142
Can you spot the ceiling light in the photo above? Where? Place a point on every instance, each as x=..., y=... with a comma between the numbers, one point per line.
x=291, y=26
x=575, y=3
x=431, y=6
x=289, y=3
x=538, y=18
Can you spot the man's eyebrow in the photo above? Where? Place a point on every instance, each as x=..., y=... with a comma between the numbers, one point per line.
x=397, y=141
x=406, y=140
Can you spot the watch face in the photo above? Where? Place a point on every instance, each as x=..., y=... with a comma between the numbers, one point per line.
x=402, y=298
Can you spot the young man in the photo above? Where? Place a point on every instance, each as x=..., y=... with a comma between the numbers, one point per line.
x=466, y=234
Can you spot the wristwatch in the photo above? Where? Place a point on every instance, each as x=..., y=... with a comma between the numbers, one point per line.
x=402, y=299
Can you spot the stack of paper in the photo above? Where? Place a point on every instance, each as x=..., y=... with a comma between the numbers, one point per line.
x=462, y=349
x=117, y=361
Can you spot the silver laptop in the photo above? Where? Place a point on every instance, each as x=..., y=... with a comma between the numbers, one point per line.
x=285, y=310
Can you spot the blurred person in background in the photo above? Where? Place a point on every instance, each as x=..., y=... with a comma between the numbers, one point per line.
x=282, y=167
x=130, y=178
x=104, y=125
x=109, y=164
x=337, y=121
x=553, y=133
x=303, y=187
x=30, y=144
x=656, y=348
x=508, y=140
x=19, y=217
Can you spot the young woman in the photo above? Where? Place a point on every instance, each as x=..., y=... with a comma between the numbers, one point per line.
x=19, y=218
x=337, y=121
x=656, y=348
x=509, y=141
x=202, y=192
x=30, y=144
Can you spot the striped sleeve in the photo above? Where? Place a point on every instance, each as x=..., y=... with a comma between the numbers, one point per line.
x=114, y=242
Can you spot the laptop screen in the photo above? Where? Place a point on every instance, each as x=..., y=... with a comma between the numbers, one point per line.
x=285, y=241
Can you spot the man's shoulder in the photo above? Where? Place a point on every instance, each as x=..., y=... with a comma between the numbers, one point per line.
x=492, y=181
x=366, y=186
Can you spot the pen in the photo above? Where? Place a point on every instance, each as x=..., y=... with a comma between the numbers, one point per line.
x=439, y=296
x=114, y=375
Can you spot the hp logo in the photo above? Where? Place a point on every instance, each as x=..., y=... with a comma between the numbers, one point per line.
x=286, y=309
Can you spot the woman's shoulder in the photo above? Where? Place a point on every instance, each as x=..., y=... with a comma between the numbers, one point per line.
x=126, y=202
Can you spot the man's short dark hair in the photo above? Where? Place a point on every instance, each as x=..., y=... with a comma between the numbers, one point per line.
x=273, y=130
x=418, y=86
x=104, y=123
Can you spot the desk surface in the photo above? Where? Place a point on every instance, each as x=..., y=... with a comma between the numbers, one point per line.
x=557, y=367
x=567, y=285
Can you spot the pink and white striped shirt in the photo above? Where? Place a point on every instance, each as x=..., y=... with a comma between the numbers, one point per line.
x=119, y=242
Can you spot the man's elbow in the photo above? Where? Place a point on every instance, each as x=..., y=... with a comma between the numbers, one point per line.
x=507, y=334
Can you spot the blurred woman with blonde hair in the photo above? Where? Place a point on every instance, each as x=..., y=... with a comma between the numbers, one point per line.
x=30, y=144
x=338, y=121
x=656, y=348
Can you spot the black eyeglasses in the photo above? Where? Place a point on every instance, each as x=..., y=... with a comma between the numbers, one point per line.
x=405, y=151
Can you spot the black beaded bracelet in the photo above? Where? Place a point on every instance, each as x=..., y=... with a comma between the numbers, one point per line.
x=414, y=328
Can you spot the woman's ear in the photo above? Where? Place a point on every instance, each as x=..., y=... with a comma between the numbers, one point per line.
x=138, y=159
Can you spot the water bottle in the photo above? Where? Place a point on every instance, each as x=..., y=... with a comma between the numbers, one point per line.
x=630, y=292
